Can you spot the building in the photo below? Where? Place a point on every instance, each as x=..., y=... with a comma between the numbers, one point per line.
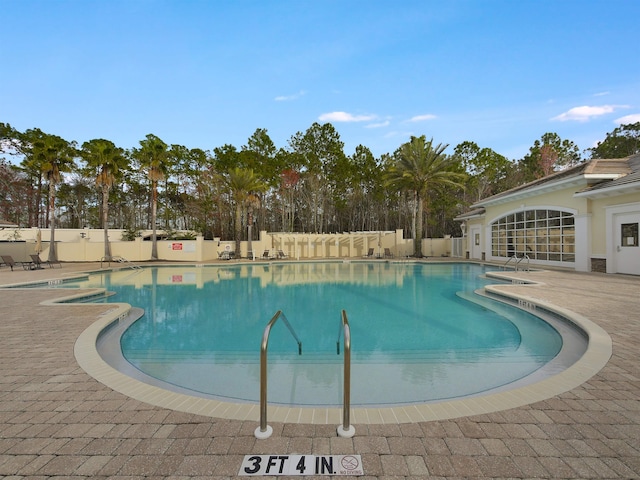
x=585, y=218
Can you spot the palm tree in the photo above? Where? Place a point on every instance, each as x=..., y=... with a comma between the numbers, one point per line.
x=243, y=184
x=421, y=167
x=153, y=155
x=53, y=156
x=252, y=202
x=107, y=161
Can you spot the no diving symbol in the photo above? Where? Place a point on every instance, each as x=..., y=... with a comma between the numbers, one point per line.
x=349, y=462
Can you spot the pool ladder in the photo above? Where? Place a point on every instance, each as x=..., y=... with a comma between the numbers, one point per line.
x=346, y=429
x=119, y=259
x=517, y=262
x=524, y=257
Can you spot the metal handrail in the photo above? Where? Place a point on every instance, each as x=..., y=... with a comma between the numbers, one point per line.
x=346, y=429
x=264, y=430
x=119, y=260
x=521, y=259
x=515, y=257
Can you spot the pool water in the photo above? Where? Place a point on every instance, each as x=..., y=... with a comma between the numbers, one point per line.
x=416, y=337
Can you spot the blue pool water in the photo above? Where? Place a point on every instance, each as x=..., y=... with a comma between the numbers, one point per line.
x=416, y=337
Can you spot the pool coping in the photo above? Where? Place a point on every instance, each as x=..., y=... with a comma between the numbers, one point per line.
x=596, y=356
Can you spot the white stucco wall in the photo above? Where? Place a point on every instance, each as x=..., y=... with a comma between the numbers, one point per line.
x=592, y=235
x=599, y=212
x=563, y=200
x=75, y=245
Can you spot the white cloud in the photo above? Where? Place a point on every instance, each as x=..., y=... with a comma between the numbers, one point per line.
x=288, y=98
x=601, y=94
x=586, y=113
x=396, y=134
x=422, y=118
x=378, y=125
x=627, y=119
x=345, y=117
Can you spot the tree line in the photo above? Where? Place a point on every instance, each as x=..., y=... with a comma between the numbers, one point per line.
x=310, y=185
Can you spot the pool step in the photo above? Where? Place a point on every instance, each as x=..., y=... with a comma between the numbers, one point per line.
x=97, y=298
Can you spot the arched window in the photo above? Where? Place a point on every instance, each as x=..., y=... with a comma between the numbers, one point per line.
x=542, y=234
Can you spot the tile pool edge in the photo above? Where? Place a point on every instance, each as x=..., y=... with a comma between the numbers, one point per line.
x=597, y=354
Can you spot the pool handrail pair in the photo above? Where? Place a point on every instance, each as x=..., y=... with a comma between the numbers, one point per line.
x=517, y=261
x=264, y=430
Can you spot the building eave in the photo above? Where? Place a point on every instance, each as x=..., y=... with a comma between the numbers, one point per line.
x=571, y=182
x=602, y=176
x=609, y=192
x=477, y=213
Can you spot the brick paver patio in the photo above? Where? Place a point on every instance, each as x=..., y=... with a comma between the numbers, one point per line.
x=58, y=422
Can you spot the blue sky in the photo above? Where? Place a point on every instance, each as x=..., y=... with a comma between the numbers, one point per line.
x=208, y=73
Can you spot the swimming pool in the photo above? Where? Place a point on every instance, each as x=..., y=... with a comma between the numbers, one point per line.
x=416, y=336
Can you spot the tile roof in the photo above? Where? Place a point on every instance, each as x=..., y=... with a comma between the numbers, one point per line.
x=632, y=176
x=616, y=166
x=610, y=170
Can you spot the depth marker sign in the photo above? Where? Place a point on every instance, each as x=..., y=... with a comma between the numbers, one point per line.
x=301, y=465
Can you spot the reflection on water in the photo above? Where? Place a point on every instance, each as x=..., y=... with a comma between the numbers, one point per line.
x=413, y=338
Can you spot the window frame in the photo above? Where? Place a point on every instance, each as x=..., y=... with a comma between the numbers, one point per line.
x=545, y=234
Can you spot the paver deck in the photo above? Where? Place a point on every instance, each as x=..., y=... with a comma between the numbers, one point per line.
x=57, y=421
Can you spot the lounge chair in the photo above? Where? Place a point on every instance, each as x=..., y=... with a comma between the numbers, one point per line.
x=266, y=255
x=10, y=262
x=38, y=263
x=281, y=254
x=369, y=253
x=227, y=255
x=387, y=253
